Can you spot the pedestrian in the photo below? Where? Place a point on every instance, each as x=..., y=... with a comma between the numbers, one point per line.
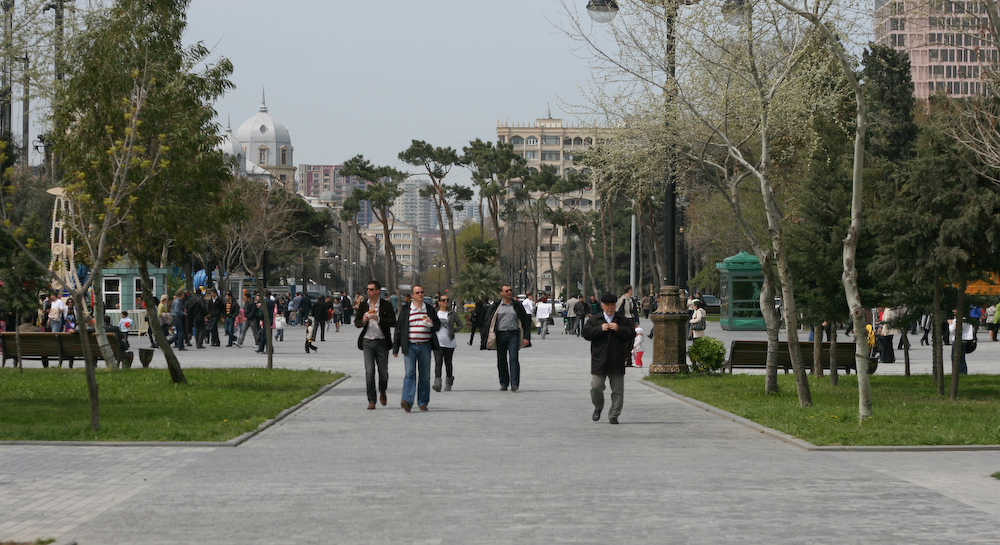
x=320, y=315
x=445, y=351
x=571, y=305
x=293, y=308
x=177, y=316
x=637, y=347
x=508, y=330
x=529, y=304
x=265, y=305
x=963, y=345
x=697, y=320
x=230, y=310
x=416, y=326
x=543, y=313
x=990, y=318
x=305, y=309
x=611, y=336
x=194, y=309
x=56, y=313
x=887, y=332
x=125, y=323
x=647, y=305
x=166, y=318
x=338, y=311
x=310, y=334
x=926, y=324
x=626, y=305
x=251, y=317
x=375, y=317
x=476, y=320
x=582, y=312
x=216, y=309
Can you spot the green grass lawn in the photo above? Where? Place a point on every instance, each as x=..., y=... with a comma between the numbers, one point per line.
x=906, y=410
x=143, y=405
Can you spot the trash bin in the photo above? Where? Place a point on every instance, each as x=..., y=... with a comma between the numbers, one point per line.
x=885, y=343
x=146, y=356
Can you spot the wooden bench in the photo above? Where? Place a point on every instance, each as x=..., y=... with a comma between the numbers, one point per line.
x=753, y=355
x=60, y=346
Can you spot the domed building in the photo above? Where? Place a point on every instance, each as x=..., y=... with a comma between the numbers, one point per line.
x=262, y=143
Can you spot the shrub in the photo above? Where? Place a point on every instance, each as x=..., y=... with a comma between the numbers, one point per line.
x=707, y=355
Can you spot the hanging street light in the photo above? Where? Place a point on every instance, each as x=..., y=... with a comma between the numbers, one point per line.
x=602, y=11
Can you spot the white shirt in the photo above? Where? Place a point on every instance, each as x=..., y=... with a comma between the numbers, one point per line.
x=609, y=319
x=374, y=332
x=544, y=310
x=529, y=306
x=443, y=334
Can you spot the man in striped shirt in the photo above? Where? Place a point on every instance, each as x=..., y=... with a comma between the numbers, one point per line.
x=415, y=334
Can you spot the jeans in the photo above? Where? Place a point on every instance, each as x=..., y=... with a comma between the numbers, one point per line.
x=249, y=324
x=543, y=327
x=55, y=326
x=508, y=345
x=230, y=330
x=963, y=366
x=178, y=338
x=376, y=357
x=417, y=363
x=213, y=330
x=444, y=356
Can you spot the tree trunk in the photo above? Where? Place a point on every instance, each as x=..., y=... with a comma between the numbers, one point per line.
x=773, y=322
x=454, y=242
x=937, y=344
x=906, y=354
x=173, y=366
x=88, y=363
x=17, y=341
x=102, y=339
x=834, y=371
x=439, y=202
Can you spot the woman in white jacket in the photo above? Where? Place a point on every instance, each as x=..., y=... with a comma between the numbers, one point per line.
x=698, y=316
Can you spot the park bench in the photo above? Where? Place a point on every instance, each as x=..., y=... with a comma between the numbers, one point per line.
x=753, y=355
x=59, y=346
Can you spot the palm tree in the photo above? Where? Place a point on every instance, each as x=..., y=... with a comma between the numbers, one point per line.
x=478, y=281
x=480, y=250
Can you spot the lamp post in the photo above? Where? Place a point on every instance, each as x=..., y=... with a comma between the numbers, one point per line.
x=670, y=318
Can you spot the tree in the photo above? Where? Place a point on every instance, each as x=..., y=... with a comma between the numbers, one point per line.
x=139, y=148
x=381, y=192
x=438, y=162
x=493, y=168
x=478, y=281
x=349, y=212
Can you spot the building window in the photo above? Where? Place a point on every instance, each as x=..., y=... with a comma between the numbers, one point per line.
x=531, y=141
x=578, y=141
x=501, y=139
x=550, y=156
x=531, y=154
x=516, y=141
x=138, y=286
x=284, y=156
x=588, y=141
x=112, y=293
x=550, y=140
x=567, y=141
x=262, y=159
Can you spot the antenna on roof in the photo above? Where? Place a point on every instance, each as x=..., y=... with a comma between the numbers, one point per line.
x=547, y=106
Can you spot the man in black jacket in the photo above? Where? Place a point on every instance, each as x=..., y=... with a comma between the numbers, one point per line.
x=216, y=308
x=510, y=326
x=610, y=334
x=195, y=309
x=375, y=341
x=319, y=312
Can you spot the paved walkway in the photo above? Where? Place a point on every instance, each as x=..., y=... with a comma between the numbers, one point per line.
x=484, y=466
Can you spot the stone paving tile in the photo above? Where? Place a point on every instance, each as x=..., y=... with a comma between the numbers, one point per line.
x=484, y=466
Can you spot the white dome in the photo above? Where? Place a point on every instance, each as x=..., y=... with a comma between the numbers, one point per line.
x=231, y=148
x=264, y=131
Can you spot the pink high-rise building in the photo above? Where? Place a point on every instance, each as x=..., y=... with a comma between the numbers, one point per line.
x=949, y=44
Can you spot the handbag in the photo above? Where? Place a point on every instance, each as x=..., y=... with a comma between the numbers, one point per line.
x=699, y=325
x=166, y=318
x=970, y=346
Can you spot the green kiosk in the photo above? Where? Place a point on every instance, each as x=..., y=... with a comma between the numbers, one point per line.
x=741, y=279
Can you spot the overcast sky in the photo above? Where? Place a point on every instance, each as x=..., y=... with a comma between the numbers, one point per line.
x=349, y=77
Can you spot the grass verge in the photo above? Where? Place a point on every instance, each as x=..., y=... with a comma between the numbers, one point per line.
x=143, y=405
x=906, y=410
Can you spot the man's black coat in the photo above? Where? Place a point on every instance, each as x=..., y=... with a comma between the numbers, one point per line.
x=609, y=349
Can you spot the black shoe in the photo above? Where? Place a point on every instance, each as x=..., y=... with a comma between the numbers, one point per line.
x=613, y=420
x=597, y=415
x=503, y=388
x=513, y=387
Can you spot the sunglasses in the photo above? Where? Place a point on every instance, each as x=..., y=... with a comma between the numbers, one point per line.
x=372, y=289
x=418, y=293
x=506, y=291
x=443, y=300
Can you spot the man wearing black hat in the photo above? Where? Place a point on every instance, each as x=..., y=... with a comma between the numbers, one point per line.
x=610, y=334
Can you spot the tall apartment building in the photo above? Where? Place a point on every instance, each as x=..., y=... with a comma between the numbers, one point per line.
x=328, y=184
x=551, y=142
x=948, y=43
x=413, y=209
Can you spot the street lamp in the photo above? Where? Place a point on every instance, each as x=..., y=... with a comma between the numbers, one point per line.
x=602, y=11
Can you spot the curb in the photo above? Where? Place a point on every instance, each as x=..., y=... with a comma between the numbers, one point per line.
x=805, y=445
x=234, y=442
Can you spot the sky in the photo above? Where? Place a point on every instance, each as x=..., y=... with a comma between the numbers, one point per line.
x=349, y=77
